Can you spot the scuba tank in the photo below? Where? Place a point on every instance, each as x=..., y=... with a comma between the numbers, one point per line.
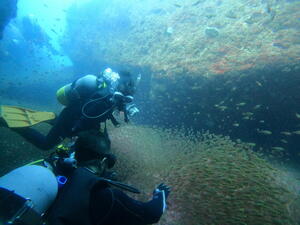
x=26, y=193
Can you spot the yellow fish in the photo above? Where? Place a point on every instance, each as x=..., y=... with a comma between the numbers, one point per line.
x=297, y=132
x=298, y=115
x=241, y=104
x=235, y=125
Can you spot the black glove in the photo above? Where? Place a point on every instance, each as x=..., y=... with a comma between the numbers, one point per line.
x=162, y=188
x=161, y=193
x=111, y=160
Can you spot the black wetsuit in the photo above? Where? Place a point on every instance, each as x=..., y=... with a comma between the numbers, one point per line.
x=86, y=200
x=70, y=122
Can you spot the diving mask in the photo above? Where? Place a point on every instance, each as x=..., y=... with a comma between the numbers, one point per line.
x=111, y=77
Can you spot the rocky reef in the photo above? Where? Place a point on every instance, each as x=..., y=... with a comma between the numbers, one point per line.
x=8, y=10
x=194, y=37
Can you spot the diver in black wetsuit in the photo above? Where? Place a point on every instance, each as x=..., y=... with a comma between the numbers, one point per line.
x=89, y=101
x=29, y=194
x=87, y=200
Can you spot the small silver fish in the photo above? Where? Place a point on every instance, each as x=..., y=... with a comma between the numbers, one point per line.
x=248, y=114
x=287, y=133
x=241, y=104
x=278, y=148
x=283, y=141
x=257, y=107
x=258, y=83
x=265, y=132
x=251, y=144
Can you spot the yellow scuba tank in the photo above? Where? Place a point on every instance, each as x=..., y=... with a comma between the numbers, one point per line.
x=80, y=89
x=63, y=93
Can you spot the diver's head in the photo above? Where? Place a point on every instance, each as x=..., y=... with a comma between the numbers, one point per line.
x=122, y=81
x=127, y=83
x=91, y=145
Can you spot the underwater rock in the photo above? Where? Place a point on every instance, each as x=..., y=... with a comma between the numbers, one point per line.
x=158, y=11
x=198, y=2
x=280, y=45
x=231, y=14
x=236, y=45
x=210, y=12
x=255, y=17
x=211, y=32
x=177, y=5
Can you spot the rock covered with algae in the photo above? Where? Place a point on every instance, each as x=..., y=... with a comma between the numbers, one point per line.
x=214, y=180
x=207, y=38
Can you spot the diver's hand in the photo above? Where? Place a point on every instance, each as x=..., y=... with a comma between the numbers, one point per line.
x=162, y=188
x=132, y=110
x=162, y=192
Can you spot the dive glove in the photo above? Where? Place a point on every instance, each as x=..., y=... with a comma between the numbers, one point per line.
x=162, y=192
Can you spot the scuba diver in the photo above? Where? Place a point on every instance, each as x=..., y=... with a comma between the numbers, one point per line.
x=31, y=195
x=89, y=101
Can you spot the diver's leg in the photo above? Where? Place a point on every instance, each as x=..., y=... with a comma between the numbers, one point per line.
x=37, y=139
x=52, y=122
x=54, y=137
x=3, y=123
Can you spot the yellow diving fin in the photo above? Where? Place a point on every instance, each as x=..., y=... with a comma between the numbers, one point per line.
x=16, y=116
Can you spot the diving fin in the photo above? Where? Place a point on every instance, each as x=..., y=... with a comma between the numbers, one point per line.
x=16, y=116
